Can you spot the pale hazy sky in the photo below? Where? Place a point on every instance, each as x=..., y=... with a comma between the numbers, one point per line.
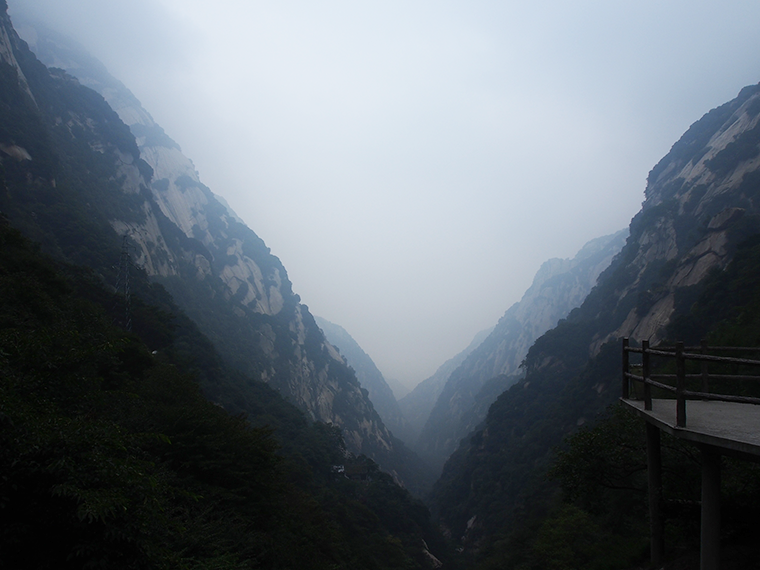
x=413, y=163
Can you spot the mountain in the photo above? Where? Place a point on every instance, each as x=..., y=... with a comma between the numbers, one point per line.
x=702, y=206
x=220, y=273
x=416, y=405
x=559, y=286
x=371, y=379
x=399, y=389
x=126, y=439
x=109, y=449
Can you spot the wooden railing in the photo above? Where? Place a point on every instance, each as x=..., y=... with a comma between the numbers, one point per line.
x=683, y=354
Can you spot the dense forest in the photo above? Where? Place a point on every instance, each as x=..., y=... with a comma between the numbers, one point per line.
x=583, y=504
x=688, y=271
x=112, y=455
x=129, y=439
x=132, y=180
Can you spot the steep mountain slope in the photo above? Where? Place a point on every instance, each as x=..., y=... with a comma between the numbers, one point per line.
x=418, y=403
x=80, y=204
x=702, y=201
x=399, y=389
x=371, y=379
x=559, y=286
x=110, y=451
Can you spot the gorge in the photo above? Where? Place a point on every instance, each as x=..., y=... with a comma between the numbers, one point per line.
x=221, y=425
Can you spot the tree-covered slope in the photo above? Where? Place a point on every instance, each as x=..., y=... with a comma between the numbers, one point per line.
x=109, y=450
x=600, y=518
x=559, y=286
x=90, y=183
x=702, y=201
x=111, y=456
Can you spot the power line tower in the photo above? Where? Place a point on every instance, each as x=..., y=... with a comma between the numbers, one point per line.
x=122, y=282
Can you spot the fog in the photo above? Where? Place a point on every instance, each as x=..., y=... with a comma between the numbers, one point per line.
x=413, y=163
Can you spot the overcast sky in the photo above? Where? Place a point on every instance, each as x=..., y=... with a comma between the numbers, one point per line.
x=413, y=163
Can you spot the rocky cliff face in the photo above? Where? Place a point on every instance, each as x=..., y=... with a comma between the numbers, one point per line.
x=559, y=286
x=218, y=270
x=697, y=201
x=369, y=376
x=702, y=201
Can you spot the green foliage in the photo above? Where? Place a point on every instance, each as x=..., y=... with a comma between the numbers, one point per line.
x=609, y=457
x=111, y=449
x=77, y=462
x=726, y=307
x=571, y=540
x=602, y=469
x=603, y=473
x=113, y=454
x=745, y=147
x=692, y=146
x=498, y=474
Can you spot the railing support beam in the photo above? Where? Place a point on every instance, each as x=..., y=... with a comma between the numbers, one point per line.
x=710, y=536
x=626, y=369
x=654, y=482
x=645, y=372
x=680, y=386
x=703, y=367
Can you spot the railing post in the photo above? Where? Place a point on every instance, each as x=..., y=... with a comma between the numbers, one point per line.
x=710, y=534
x=680, y=386
x=654, y=486
x=703, y=364
x=645, y=374
x=626, y=370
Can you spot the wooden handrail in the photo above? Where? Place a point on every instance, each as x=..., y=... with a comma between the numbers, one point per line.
x=712, y=376
x=645, y=372
x=680, y=386
x=626, y=367
x=683, y=354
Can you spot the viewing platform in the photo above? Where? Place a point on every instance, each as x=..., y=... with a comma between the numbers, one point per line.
x=729, y=426
x=718, y=424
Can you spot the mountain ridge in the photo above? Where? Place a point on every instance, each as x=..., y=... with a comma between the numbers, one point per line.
x=701, y=202
x=558, y=286
x=218, y=270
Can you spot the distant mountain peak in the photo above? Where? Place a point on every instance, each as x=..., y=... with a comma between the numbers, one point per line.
x=559, y=286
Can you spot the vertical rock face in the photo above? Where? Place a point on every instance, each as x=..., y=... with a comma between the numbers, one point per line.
x=8, y=47
x=371, y=379
x=559, y=286
x=218, y=270
x=702, y=201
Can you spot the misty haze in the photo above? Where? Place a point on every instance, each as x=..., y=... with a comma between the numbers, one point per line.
x=350, y=286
